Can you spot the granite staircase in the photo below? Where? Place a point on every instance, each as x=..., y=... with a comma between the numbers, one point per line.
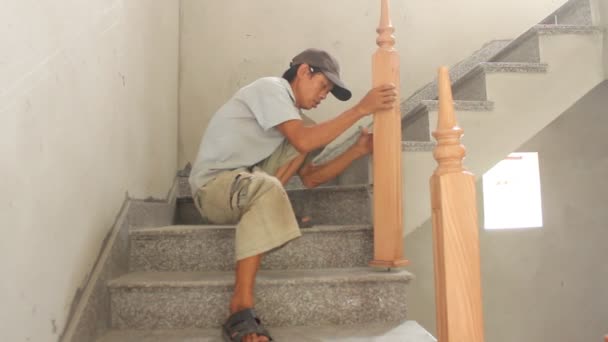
x=180, y=278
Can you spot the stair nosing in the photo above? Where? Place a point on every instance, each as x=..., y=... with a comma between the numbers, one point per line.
x=332, y=188
x=188, y=230
x=187, y=198
x=418, y=146
x=513, y=67
x=151, y=280
x=548, y=29
x=461, y=105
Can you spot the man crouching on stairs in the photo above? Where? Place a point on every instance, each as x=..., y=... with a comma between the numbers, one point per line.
x=252, y=146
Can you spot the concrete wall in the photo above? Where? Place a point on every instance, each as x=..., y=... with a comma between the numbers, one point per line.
x=546, y=284
x=88, y=114
x=227, y=44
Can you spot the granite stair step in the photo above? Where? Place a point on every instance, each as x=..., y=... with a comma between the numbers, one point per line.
x=526, y=48
x=472, y=87
x=178, y=300
x=417, y=126
x=211, y=248
x=407, y=331
x=331, y=205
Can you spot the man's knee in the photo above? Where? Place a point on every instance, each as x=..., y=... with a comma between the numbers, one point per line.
x=261, y=186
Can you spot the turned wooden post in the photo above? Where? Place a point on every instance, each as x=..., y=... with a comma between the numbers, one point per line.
x=455, y=231
x=388, y=212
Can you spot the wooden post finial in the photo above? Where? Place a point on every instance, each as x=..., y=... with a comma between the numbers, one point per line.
x=449, y=153
x=386, y=39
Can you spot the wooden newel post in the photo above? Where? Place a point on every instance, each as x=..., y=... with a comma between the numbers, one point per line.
x=455, y=231
x=388, y=212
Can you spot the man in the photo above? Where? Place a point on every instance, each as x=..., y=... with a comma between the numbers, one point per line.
x=252, y=146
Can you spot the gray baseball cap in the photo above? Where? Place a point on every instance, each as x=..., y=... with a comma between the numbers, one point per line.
x=328, y=65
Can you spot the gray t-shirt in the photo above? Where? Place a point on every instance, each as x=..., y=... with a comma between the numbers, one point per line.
x=242, y=132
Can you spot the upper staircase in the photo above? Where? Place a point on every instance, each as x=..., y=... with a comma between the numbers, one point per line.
x=504, y=94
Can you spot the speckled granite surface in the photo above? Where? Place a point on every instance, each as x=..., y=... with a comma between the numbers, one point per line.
x=211, y=248
x=495, y=67
x=330, y=205
x=169, y=300
x=92, y=314
x=343, y=205
x=417, y=146
x=408, y=331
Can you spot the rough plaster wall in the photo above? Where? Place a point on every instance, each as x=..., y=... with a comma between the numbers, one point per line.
x=88, y=112
x=544, y=284
x=227, y=44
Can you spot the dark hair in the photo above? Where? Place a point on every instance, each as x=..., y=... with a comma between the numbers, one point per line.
x=290, y=74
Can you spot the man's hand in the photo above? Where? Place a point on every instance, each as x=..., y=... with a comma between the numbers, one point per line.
x=315, y=175
x=380, y=98
x=365, y=143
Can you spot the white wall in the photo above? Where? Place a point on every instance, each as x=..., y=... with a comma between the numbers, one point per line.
x=546, y=284
x=227, y=44
x=88, y=113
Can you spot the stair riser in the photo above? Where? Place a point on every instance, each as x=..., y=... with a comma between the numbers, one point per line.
x=357, y=173
x=333, y=206
x=326, y=207
x=525, y=51
x=150, y=214
x=278, y=305
x=472, y=88
x=415, y=127
x=214, y=251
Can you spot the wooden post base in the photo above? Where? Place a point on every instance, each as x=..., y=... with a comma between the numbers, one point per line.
x=389, y=264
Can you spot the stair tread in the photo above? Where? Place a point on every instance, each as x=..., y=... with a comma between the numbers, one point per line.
x=461, y=105
x=184, y=195
x=564, y=29
x=264, y=277
x=407, y=331
x=180, y=230
x=418, y=146
x=513, y=67
x=502, y=67
x=332, y=188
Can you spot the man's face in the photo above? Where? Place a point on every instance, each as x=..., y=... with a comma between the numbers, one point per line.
x=311, y=88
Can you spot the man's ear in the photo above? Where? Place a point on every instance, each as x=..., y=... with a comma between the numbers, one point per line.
x=303, y=70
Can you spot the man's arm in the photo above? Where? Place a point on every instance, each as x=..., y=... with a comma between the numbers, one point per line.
x=309, y=138
x=315, y=175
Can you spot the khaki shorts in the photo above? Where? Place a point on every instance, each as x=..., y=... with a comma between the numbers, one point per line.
x=255, y=201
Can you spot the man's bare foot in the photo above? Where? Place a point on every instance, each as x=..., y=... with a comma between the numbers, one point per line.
x=305, y=221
